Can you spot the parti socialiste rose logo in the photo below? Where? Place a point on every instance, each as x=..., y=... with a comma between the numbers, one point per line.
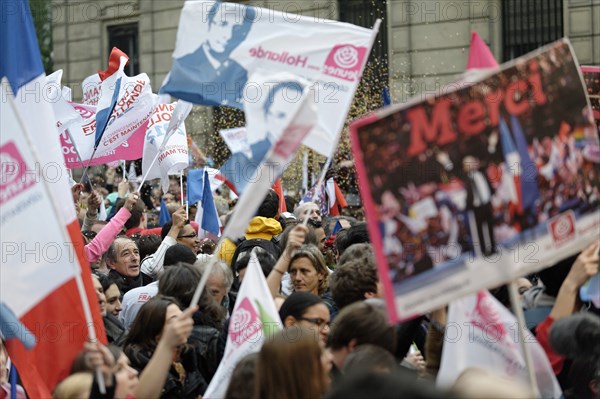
x=344, y=62
x=13, y=177
x=244, y=323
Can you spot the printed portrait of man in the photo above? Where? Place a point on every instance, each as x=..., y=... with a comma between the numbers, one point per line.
x=208, y=75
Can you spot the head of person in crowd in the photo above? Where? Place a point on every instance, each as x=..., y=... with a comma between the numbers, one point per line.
x=187, y=235
x=319, y=230
x=356, y=234
x=138, y=216
x=242, y=383
x=339, y=244
x=219, y=282
x=180, y=282
x=123, y=257
x=292, y=364
x=269, y=208
x=99, y=294
x=356, y=277
x=308, y=311
x=308, y=210
x=179, y=253
x=148, y=244
x=149, y=323
x=125, y=375
x=98, y=225
x=397, y=384
x=266, y=260
x=308, y=272
x=309, y=238
x=75, y=386
x=369, y=358
x=584, y=377
x=112, y=295
x=357, y=324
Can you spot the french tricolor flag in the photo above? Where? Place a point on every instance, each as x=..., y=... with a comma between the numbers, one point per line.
x=45, y=278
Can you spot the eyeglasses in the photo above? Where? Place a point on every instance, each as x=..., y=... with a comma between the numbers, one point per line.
x=188, y=236
x=317, y=321
x=89, y=234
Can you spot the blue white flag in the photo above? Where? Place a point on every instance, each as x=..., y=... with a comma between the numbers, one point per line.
x=199, y=191
x=221, y=45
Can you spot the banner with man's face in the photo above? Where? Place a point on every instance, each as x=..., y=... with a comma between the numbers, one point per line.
x=481, y=184
x=221, y=45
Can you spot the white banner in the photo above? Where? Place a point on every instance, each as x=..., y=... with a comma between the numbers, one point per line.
x=173, y=159
x=220, y=45
x=481, y=333
x=236, y=139
x=254, y=318
x=91, y=87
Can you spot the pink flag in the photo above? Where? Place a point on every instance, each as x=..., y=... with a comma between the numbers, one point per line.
x=480, y=55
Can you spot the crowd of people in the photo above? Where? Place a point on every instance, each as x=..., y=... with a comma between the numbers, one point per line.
x=323, y=278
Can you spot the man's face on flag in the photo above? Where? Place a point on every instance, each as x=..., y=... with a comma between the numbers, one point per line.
x=221, y=29
x=276, y=116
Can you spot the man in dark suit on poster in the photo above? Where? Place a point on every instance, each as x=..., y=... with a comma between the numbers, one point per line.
x=209, y=76
x=479, y=204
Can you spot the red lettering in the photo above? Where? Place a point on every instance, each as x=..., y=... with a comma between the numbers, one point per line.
x=423, y=131
x=471, y=118
x=515, y=101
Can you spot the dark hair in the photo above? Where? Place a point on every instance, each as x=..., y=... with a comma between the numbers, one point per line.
x=582, y=372
x=296, y=304
x=148, y=244
x=269, y=206
x=399, y=384
x=290, y=203
x=242, y=378
x=149, y=323
x=164, y=231
x=136, y=213
x=179, y=253
x=369, y=358
x=240, y=33
x=365, y=323
x=105, y=281
x=180, y=282
x=356, y=234
x=266, y=260
x=352, y=280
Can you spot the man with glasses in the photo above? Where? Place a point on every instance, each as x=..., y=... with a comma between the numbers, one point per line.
x=177, y=231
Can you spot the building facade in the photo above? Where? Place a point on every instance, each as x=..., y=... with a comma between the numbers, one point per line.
x=423, y=44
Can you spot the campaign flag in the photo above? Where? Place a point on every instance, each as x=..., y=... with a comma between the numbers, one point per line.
x=221, y=45
x=483, y=334
x=170, y=145
x=253, y=321
x=199, y=191
x=278, y=155
x=133, y=106
x=164, y=216
x=111, y=82
x=470, y=134
x=91, y=89
x=40, y=265
x=335, y=197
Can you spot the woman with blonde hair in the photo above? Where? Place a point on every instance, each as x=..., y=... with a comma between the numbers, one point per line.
x=292, y=364
x=306, y=267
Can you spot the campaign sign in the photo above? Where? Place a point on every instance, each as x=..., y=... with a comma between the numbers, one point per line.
x=482, y=183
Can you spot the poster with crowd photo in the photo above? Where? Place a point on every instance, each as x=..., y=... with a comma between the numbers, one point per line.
x=591, y=76
x=487, y=181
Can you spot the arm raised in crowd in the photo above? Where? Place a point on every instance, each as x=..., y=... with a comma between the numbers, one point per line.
x=585, y=266
x=154, y=265
x=99, y=245
x=295, y=241
x=91, y=215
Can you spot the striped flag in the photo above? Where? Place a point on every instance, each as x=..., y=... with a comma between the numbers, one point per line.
x=50, y=290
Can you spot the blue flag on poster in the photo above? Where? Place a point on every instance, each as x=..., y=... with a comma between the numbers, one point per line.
x=199, y=191
x=164, y=216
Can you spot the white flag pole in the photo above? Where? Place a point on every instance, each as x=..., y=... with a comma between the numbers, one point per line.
x=65, y=237
x=518, y=311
